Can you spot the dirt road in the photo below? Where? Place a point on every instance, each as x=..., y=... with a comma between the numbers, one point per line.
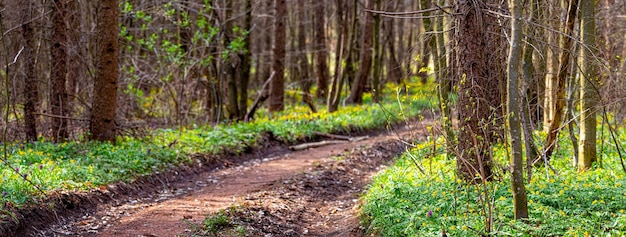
x=312, y=192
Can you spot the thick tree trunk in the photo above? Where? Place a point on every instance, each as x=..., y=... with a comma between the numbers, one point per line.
x=321, y=53
x=520, y=202
x=277, y=86
x=588, y=87
x=102, y=122
x=358, y=86
x=478, y=127
x=31, y=90
x=246, y=58
x=58, y=97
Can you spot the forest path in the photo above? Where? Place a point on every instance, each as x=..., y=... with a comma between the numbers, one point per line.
x=322, y=186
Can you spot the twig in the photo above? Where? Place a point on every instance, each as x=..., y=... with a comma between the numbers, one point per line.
x=61, y=117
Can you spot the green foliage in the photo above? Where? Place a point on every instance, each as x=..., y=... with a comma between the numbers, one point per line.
x=76, y=166
x=216, y=223
x=219, y=224
x=570, y=204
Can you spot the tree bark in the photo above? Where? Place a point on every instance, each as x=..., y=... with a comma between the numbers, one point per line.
x=444, y=88
x=477, y=93
x=378, y=59
x=31, y=90
x=321, y=53
x=530, y=103
x=277, y=86
x=102, y=122
x=588, y=87
x=394, y=70
x=520, y=202
x=564, y=60
x=302, y=70
x=58, y=97
x=232, y=64
x=358, y=86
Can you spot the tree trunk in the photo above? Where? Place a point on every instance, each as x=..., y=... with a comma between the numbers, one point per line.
x=551, y=66
x=378, y=59
x=302, y=56
x=102, y=122
x=564, y=60
x=588, y=87
x=333, y=90
x=394, y=70
x=277, y=86
x=530, y=102
x=476, y=85
x=322, y=55
x=358, y=87
x=427, y=45
x=520, y=203
x=58, y=97
x=31, y=91
x=245, y=57
x=232, y=63
x=444, y=88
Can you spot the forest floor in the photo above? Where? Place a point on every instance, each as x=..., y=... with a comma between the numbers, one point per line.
x=271, y=192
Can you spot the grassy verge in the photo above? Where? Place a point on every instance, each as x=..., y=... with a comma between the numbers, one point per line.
x=35, y=169
x=403, y=201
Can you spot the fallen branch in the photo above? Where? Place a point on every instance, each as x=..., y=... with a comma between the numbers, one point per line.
x=344, y=139
x=305, y=146
x=341, y=137
x=356, y=139
x=333, y=136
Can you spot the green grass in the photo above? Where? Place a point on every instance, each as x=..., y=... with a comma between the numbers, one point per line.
x=79, y=165
x=570, y=204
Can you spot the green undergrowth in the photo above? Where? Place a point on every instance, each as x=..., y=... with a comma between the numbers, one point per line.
x=404, y=201
x=36, y=169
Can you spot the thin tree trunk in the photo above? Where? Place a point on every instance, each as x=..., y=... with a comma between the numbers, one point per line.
x=102, y=122
x=232, y=67
x=561, y=80
x=376, y=74
x=75, y=66
x=530, y=82
x=245, y=57
x=520, y=202
x=444, y=88
x=551, y=67
x=427, y=45
x=342, y=25
x=588, y=87
x=322, y=55
x=358, y=87
x=394, y=70
x=277, y=86
x=302, y=57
